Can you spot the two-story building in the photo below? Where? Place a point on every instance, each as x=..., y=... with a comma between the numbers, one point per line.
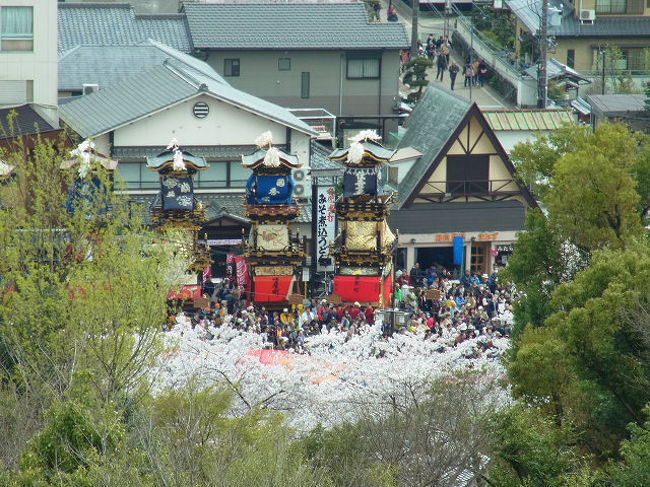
x=312, y=55
x=581, y=31
x=454, y=179
x=28, y=57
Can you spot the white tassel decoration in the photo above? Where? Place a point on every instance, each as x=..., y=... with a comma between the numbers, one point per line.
x=365, y=135
x=173, y=144
x=355, y=153
x=264, y=140
x=83, y=153
x=272, y=157
x=178, y=164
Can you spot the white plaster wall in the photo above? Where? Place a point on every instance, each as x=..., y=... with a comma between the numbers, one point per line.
x=103, y=145
x=510, y=138
x=39, y=65
x=224, y=125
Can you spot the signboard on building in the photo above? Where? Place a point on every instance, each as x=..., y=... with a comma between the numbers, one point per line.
x=325, y=228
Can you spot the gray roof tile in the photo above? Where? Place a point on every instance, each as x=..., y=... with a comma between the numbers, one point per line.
x=108, y=65
x=624, y=26
x=117, y=24
x=230, y=152
x=429, y=127
x=529, y=12
x=169, y=83
x=290, y=26
x=26, y=122
x=320, y=162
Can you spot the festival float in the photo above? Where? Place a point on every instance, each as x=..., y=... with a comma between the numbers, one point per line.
x=274, y=254
x=178, y=209
x=364, y=246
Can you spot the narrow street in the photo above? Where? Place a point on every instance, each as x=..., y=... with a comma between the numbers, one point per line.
x=486, y=97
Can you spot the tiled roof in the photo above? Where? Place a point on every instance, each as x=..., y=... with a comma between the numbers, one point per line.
x=556, y=69
x=290, y=26
x=432, y=122
x=116, y=24
x=613, y=105
x=321, y=163
x=26, y=122
x=108, y=65
x=529, y=13
x=623, y=26
x=230, y=152
x=530, y=120
x=169, y=83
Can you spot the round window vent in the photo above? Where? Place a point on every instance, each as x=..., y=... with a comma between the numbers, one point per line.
x=201, y=109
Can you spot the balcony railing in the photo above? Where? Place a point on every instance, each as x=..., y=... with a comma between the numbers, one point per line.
x=449, y=190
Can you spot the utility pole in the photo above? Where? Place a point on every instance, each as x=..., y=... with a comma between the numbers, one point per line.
x=603, y=75
x=414, y=28
x=447, y=13
x=541, y=66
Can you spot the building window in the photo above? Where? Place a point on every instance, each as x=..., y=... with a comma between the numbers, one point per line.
x=231, y=67
x=16, y=29
x=468, y=174
x=304, y=85
x=284, y=64
x=363, y=66
x=619, y=7
x=571, y=58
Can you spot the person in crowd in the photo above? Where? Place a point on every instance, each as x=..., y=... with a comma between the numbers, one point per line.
x=416, y=274
x=468, y=72
x=438, y=308
x=442, y=66
x=391, y=15
x=453, y=72
x=482, y=73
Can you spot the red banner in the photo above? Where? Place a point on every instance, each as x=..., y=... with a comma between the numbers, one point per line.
x=358, y=288
x=388, y=291
x=272, y=288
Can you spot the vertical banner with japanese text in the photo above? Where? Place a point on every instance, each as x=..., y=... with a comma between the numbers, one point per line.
x=325, y=228
x=242, y=274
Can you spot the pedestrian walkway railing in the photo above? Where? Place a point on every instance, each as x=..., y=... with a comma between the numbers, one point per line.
x=485, y=48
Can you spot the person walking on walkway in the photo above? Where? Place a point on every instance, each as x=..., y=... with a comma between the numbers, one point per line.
x=482, y=73
x=453, y=72
x=468, y=72
x=442, y=66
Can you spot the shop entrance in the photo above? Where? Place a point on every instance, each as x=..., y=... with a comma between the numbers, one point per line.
x=435, y=256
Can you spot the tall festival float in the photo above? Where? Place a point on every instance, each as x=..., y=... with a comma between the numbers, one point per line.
x=179, y=210
x=274, y=253
x=364, y=246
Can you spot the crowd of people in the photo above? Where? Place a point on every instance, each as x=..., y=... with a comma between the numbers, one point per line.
x=438, y=51
x=432, y=301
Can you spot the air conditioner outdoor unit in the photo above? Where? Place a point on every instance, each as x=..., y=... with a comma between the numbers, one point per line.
x=90, y=88
x=300, y=183
x=587, y=16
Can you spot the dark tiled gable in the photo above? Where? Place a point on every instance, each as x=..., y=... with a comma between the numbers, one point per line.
x=26, y=122
x=115, y=24
x=429, y=127
x=290, y=26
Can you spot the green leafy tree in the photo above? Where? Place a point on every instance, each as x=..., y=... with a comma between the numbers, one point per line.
x=633, y=469
x=594, y=346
